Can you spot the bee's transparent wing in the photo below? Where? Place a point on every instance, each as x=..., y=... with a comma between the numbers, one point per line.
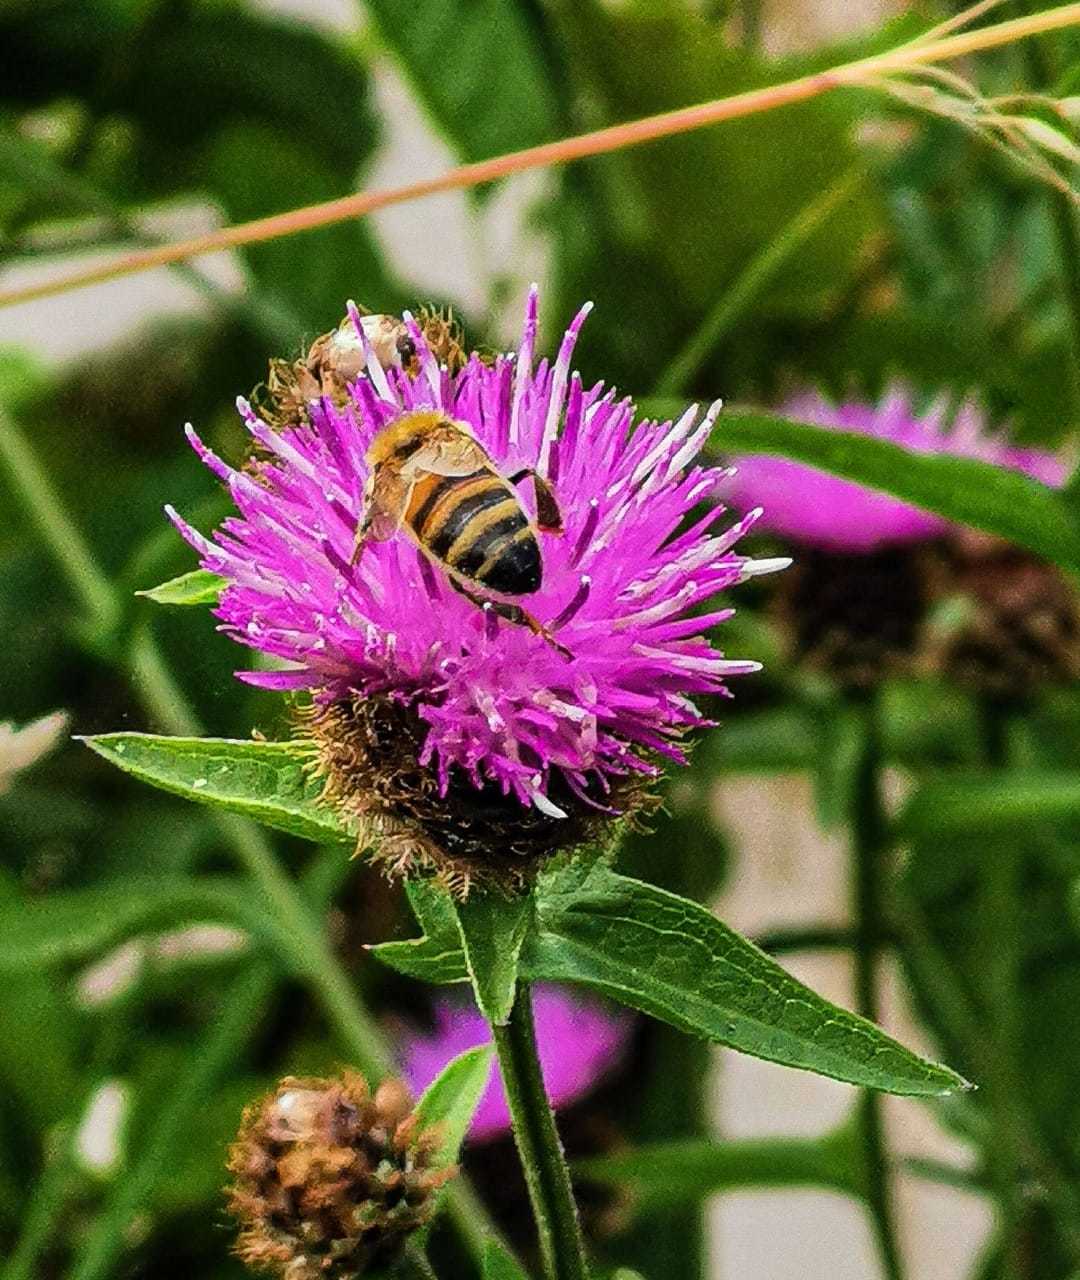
x=387, y=503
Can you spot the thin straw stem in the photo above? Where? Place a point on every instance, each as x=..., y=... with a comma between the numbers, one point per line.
x=596, y=142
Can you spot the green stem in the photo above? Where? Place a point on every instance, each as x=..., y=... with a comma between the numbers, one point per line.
x=869, y=839
x=562, y=1247
x=68, y=547
x=999, y=933
x=42, y=1218
x=733, y=302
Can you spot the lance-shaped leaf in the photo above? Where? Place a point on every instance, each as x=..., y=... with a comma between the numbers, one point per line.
x=452, y=1097
x=499, y=1265
x=493, y=929
x=1004, y=802
x=966, y=490
x=668, y=1174
x=671, y=958
x=200, y=586
x=77, y=924
x=271, y=782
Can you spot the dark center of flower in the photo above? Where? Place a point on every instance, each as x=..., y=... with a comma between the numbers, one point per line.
x=856, y=616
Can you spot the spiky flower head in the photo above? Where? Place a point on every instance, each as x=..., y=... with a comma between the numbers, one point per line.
x=881, y=586
x=580, y=1042
x=329, y=1180
x=463, y=740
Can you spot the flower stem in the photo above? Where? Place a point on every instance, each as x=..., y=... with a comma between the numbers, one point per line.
x=597, y=142
x=869, y=840
x=732, y=302
x=562, y=1247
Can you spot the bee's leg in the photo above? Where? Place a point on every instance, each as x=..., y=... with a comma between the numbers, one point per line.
x=547, y=509
x=513, y=613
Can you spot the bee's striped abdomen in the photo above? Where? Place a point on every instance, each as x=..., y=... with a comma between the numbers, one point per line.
x=475, y=525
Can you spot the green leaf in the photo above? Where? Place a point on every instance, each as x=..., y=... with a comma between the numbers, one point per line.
x=478, y=68
x=499, y=1265
x=452, y=1097
x=70, y=925
x=493, y=929
x=200, y=586
x=999, y=803
x=269, y=781
x=671, y=958
x=668, y=1174
x=424, y=959
x=436, y=957
x=966, y=490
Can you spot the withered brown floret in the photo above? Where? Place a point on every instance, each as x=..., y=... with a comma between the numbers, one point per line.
x=330, y=1180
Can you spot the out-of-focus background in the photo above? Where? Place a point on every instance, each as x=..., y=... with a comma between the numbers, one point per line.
x=125, y=121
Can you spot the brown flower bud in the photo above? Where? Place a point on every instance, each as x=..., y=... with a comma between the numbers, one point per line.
x=330, y=1180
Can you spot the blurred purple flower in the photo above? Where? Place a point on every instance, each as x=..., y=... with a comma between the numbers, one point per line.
x=580, y=1041
x=815, y=509
x=622, y=587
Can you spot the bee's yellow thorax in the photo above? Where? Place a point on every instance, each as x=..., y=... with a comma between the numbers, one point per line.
x=410, y=426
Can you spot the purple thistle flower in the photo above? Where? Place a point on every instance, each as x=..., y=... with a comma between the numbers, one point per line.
x=815, y=509
x=580, y=1041
x=627, y=587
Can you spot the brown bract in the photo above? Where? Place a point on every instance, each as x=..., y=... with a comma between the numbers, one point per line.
x=368, y=750
x=330, y=1180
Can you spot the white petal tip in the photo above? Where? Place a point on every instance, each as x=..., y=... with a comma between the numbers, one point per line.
x=758, y=568
x=546, y=807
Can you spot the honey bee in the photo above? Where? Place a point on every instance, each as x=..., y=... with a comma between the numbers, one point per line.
x=430, y=476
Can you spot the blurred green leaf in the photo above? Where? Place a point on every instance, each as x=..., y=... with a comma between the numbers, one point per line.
x=493, y=929
x=200, y=586
x=999, y=802
x=672, y=958
x=237, y=64
x=668, y=1173
x=769, y=741
x=499, y=1265
x=271, y=782
x=478, y=68
x=255, y=172
x=966, y=490
x=75, y=924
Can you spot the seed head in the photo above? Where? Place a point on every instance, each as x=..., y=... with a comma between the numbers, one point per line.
x=330, y=1180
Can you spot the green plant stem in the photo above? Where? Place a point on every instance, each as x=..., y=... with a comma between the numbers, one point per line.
x=869, y=847
x=45, y=508
x=734, y=301
x=42, y=1218
x=999, y=933
x=562, y=1247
